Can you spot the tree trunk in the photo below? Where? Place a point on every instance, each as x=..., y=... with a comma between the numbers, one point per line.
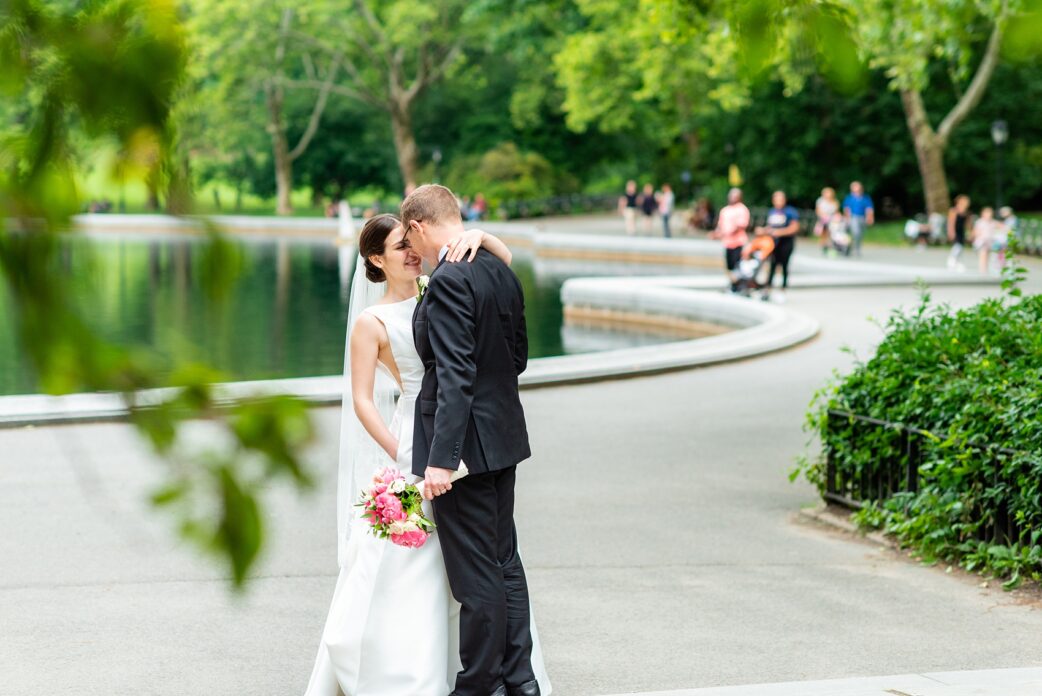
x=404, y=143
x=152, y=189
x=692, y=144
x=935, y=178
x=283, y=180
x=280, y=149
x=179, y=187
x=929, y=152
x=930, y=144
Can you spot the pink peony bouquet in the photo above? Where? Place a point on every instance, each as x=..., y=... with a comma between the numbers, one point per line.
x=392, y=508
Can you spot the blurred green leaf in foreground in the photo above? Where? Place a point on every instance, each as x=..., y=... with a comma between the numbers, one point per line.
x=109, y=71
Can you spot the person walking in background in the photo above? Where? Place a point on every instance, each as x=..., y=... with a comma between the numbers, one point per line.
x=478, y=208
x=958, y=221
x=826, y=206
x=859, y=212
x=732, y=226
x=628, y=205
x=783, y=223
x=1011, y=222
x=666, y=203
x=1000, y=241
x=1008, y=218
x=648, y=205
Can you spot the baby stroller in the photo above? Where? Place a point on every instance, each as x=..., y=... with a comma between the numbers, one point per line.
x=839, y=239
x=754, y=256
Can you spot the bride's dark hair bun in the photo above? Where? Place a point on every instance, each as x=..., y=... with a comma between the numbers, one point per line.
x=372, y=242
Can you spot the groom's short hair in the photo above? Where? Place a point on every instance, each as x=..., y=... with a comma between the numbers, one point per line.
x=431, y=203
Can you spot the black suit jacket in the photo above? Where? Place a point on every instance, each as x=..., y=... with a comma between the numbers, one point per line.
x=469, y=330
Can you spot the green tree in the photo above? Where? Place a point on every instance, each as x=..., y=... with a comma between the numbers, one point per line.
x=654, y=65
x=392, y=51
x=902, y=38
x=356, y=152
x=512, y=73
x=246, y=51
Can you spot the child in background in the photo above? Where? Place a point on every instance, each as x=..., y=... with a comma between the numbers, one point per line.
x=986, y=232
x=838, y=238
x=754, y=256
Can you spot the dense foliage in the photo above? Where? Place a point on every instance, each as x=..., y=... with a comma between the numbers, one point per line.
x=819, y=137
x=973, y=381
x=691, y=87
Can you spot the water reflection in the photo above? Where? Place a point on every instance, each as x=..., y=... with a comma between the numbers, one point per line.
x=285, y=315
x=589, y=338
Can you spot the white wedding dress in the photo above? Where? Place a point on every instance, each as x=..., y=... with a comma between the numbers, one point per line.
x=393, y=626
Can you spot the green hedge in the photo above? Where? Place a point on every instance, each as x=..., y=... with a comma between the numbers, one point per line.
x=972, y=378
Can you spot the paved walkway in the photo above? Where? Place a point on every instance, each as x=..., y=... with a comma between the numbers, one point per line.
x=612, y=224
x=657, y=523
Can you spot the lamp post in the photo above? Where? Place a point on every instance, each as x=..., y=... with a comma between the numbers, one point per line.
x=999, y=136
x=685, y=176
x=436, y=157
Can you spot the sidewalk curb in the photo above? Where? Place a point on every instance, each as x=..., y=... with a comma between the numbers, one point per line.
x=839, y=519
x=1017, y=681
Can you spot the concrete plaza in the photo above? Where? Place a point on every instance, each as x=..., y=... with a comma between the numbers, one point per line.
x=658, y=525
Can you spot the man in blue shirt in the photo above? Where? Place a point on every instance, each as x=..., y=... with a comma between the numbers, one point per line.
x=859, y=212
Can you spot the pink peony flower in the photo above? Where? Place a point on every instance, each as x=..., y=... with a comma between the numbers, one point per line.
x=390, y=508
x=377, y=489
x=412, y=539
x=390, y=474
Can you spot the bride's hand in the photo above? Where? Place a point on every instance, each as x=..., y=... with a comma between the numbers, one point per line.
x=468, y=243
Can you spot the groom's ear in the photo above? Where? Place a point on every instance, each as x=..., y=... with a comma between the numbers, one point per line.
x=413, y=227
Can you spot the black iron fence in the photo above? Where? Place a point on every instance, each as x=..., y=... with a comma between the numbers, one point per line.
x=897, y=467
x=584, y=203
x=808, y=219
x=1029, y=237
x=558, y=205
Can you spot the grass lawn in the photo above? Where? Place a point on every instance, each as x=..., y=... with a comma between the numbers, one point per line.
x=891, y=233
x=218, y=198
x=96, y=183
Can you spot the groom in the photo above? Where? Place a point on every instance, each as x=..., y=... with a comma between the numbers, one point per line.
x=469, y=329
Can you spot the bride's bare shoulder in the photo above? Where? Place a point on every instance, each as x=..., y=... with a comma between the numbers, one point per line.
x=368, y=328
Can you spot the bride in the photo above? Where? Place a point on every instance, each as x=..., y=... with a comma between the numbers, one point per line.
x=393, y=626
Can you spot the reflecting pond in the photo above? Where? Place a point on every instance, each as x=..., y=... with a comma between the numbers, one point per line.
x=285, y=316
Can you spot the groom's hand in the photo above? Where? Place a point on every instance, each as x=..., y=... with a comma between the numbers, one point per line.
x=436, y=482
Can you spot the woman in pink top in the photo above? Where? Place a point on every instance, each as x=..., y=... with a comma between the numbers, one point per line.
x=731, y=226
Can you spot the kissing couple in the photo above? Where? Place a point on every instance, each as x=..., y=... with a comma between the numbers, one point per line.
x=452, y=616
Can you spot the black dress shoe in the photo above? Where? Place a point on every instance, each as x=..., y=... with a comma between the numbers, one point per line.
x=529, y=688
x=501, y=691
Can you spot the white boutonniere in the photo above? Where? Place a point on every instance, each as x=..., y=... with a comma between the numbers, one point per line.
x=421, y=286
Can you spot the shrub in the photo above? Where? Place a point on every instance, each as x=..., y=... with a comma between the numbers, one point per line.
x=506, y=174
x=972, y=379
